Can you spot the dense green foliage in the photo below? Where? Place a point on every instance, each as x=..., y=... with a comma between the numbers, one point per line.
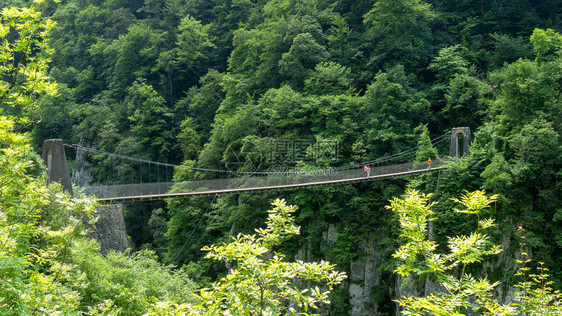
x=261, y=282
x=339, y=82
x=47, y=264
x=461, y=292
x=24, y=63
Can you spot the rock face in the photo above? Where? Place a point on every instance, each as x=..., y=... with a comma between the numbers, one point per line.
x=110, y=226
x=110, y=229
x=365, y=282
x=363, y=279
x=363, y=276
x=80, y=175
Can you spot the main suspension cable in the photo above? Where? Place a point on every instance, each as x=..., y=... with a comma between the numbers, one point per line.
x=401, y=154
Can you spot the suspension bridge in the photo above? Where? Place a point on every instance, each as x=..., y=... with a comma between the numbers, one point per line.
x=234, y=182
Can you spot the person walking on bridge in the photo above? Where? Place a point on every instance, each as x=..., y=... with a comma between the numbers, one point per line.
x=367, y=170
x=429, y=163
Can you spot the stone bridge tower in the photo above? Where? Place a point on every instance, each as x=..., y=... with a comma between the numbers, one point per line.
x=454, y=149
x=110, y=228
x=55, y=159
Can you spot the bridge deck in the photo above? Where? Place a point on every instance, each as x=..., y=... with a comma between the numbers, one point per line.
x=161, y=196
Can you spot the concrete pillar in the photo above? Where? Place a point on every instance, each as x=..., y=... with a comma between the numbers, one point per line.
x=454, y=150
x=110, y=227
x=55, y=159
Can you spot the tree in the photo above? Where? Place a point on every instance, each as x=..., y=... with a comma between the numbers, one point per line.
x=448, y=63
x=465, y=102
x=328, y=78
x=545, y=41
x=150, y=120
x=201, y=103
x=304, y=54
x=461, y=292
x=508, y=49
x=135, y=52
x=24, y=59
x=47, y=264
x=259, y=282
x=189, y=139
x=391, y=107
x=56, y=118
x=289, y=41
x=418, y=255
x=426, y=150
x=399, y=31
x=525, y=130
x=195, y=48
x=342, y=42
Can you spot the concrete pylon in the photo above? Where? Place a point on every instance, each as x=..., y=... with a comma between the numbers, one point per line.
x=55, y=159
x=454, y=150
x=110, y=228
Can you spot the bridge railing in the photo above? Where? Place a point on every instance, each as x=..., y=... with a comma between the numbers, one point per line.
x=278, y=180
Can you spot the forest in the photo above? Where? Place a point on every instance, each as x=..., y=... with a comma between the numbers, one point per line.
x=185, y=82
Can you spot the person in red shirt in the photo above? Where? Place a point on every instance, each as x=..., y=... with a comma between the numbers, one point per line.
x=367, y=170
x=429, y=162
